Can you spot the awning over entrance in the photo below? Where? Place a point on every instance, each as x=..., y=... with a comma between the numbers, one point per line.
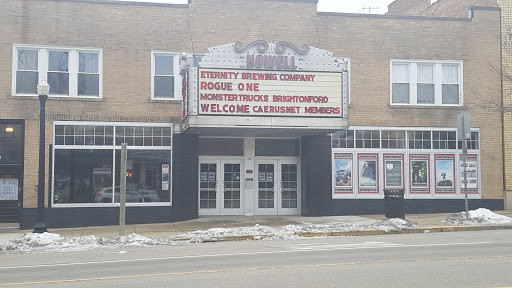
x=261, y=126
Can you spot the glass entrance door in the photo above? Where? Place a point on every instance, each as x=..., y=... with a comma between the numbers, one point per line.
x=220, y=184
x=10, y=194
x=278, y=190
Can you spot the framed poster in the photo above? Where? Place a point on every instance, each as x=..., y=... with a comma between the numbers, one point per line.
x=343, y=167
x=471, y=173
x=419, y=173
x=368, y=173
x=9, y=189
x=393, y=171
x=445, y=173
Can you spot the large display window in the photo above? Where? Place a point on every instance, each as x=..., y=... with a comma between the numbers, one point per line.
x=87, y=161
x=426, y=163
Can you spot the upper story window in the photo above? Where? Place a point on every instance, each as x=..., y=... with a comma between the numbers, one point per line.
x=73, y=72
x=426, y=83
x=165, y=81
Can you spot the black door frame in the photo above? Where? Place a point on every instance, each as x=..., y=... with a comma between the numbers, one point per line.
x=20, y=166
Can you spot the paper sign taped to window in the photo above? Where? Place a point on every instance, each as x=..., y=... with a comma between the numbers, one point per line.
x=8, y=189
x=165, y=168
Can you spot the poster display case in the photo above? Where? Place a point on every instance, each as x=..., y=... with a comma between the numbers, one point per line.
x=445, y=173
x=419, y=174
x=471, y=173
x=368, y=177
x=393, y=171
x=343, y=167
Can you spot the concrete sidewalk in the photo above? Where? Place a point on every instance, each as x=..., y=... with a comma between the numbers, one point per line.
x=431, y=222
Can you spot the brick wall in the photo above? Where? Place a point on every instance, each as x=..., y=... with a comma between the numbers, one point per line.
x=440, y=8
x=128, y=32
x=506, y=34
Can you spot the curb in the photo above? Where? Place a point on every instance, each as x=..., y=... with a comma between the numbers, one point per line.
x=366, y=232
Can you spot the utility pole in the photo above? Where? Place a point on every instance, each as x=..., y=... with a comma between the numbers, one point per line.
x=369, y=8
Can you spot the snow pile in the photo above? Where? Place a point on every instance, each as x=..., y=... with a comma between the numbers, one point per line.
x=394, y=224
x=479, y=216
x=215, y=233
x=50, y=242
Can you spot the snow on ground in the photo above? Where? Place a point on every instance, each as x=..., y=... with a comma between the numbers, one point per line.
x=49, y=242
x=479, y=216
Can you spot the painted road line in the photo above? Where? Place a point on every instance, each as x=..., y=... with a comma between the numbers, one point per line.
x=288, y=250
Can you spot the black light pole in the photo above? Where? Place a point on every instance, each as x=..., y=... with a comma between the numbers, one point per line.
x=42, y=90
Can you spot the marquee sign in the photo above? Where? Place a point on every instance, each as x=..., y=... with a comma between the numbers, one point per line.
x=267, y=79
x=269, y=93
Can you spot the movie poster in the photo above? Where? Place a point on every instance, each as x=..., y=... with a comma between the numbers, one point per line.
x=419, y=171
x=471, y=173
x=393, y=171
x=445, y=173
x=343, y=164
x=368, y=173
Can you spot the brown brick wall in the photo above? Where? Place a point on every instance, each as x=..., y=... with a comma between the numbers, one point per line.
x=128, y=33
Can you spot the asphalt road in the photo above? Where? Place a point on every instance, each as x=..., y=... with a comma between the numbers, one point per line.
x=459, y=259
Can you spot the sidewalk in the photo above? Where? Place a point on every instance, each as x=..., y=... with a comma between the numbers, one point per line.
x=430, y=222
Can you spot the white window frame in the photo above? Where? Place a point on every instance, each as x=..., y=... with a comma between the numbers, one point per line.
x=73, y=67
x=438, y=82
x=176, y=73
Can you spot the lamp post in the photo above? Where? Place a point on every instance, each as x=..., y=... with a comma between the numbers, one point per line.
x=42, y=90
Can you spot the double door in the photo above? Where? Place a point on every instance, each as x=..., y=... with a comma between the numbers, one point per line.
x=220, y=187
x=277, y=189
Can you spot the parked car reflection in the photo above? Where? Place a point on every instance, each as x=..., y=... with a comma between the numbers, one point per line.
x=133, y=194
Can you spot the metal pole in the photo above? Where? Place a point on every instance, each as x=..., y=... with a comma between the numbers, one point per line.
x=122, y=196
x=464, y=153
x=40, y=226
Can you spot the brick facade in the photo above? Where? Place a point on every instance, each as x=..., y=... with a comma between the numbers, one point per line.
x=128, y=32
x=440, y=8
x=459, y=8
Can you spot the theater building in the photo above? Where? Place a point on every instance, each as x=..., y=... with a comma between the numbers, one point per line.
x=231, y=109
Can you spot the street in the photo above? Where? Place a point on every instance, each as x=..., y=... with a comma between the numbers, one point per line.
x=460, y=259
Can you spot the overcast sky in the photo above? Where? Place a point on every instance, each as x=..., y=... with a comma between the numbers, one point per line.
x=348, y=6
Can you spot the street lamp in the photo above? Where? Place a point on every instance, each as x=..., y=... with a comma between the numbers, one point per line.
x=42, y=90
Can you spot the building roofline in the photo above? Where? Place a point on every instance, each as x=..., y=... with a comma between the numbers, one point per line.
x=387, y=16
x=121, y=2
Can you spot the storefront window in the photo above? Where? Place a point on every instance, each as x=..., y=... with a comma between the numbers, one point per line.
x=89, y=171
x=367, y=139
x=419, y=139
x=472, y=144
x=148, y=176
x=343, y=139
x=79, y=175
x=393, y=139
x=11, y=144
x=444, y=139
